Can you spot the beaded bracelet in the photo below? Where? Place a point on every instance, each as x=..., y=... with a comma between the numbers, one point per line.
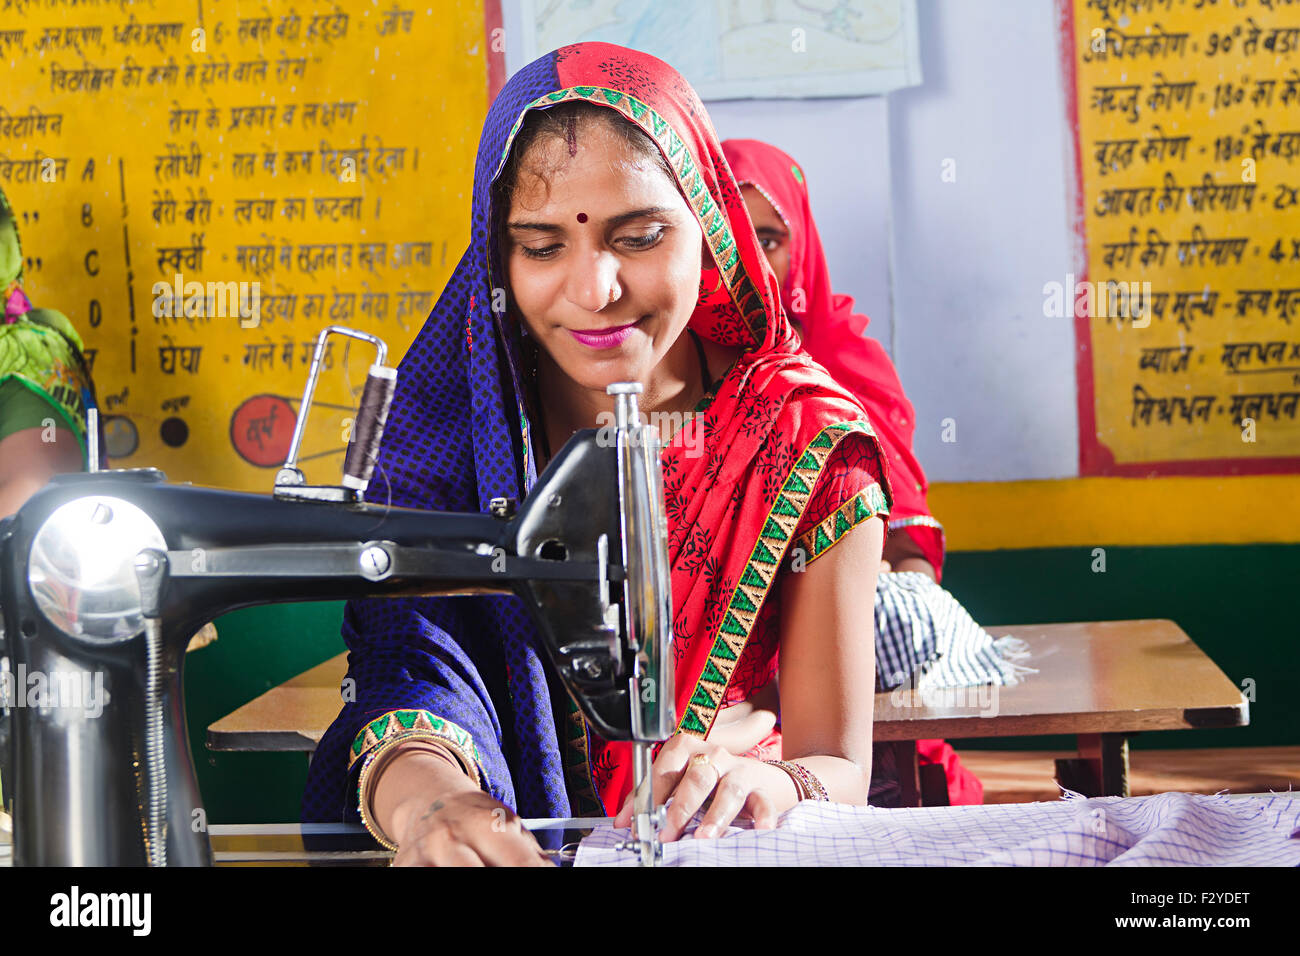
x=805, y=781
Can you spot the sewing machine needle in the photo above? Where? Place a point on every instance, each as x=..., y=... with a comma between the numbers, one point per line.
x=565, y=854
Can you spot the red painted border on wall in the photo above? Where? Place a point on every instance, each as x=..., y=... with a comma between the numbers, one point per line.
x=1094, y=457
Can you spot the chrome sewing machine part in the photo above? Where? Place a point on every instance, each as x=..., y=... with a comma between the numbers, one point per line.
x=102, y=776
x=648, y=600
x=367, y=428
x=151, y=574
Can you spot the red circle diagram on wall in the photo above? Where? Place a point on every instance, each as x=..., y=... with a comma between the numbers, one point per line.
x=261, y=430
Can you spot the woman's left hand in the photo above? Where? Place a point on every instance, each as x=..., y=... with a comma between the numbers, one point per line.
x=691, y=771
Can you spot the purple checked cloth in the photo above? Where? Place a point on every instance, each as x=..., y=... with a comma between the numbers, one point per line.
x=1167, y=829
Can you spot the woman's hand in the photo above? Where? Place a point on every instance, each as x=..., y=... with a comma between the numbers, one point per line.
x=463, y=828
x=691, y=771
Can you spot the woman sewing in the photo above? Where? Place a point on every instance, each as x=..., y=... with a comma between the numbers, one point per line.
x=609, y=243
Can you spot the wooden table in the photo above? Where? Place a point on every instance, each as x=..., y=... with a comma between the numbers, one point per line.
x=291, y=717
x=1097, y=681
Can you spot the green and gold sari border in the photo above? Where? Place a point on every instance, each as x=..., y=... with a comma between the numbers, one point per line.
x=404, y=723
x=577, y=764
x=760, y=573
x=712, y=218
x=827, y=533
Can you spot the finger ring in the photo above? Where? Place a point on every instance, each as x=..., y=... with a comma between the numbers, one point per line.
x=699, y=759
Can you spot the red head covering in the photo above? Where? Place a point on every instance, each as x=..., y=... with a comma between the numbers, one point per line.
x=835, y=335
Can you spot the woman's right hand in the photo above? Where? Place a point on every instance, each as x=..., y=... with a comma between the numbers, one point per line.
x=463, y=828
x=438, y=816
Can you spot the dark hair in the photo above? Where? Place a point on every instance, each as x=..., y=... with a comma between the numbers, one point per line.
x=562, y=122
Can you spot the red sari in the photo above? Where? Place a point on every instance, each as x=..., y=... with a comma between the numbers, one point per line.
x=835, y=336
x=789, y=457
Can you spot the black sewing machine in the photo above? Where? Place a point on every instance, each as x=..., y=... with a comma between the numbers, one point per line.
x=105, y=576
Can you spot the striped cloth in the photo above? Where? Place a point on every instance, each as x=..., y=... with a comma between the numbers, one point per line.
x=924, y=636
x=1167, y=829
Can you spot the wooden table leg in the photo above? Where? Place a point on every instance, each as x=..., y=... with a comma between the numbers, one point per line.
x=1100, y=770
x=934, y=785
x=905, y=758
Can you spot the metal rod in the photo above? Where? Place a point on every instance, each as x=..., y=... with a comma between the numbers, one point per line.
x=92, y=440
x=354, y=829
x=645, y=815
x=292, y=460
x=566, y=823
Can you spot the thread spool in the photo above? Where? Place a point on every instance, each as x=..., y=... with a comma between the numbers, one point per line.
x=376, y=399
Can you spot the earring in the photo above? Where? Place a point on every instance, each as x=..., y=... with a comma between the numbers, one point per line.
x=707, y=265
x=704, y=281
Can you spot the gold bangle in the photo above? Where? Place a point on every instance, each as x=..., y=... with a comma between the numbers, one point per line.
x=816, y=789
x=372, y=763
x=805, y=781
x=798, y=784
x=382, y=762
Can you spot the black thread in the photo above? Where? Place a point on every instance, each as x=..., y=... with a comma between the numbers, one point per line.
x=376, y=399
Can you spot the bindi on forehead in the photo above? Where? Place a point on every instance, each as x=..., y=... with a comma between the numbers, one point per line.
x=582, y=217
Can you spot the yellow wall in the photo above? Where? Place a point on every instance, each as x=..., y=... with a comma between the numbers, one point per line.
x=1180, y=113
x=157, y=103
x=983, y=516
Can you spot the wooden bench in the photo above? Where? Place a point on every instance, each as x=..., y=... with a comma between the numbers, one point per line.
x=1099, y=681
x=1026, y=776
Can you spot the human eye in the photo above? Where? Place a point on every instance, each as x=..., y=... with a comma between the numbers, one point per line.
x=643, y=242
x=544, y=252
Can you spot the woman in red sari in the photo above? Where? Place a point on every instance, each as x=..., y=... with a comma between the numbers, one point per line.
x=775, y=191
x=603, y=203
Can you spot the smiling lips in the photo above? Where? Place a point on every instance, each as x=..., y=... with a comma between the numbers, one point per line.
x=604, y=338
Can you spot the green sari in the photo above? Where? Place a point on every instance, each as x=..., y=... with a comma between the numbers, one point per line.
x=44, y=377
